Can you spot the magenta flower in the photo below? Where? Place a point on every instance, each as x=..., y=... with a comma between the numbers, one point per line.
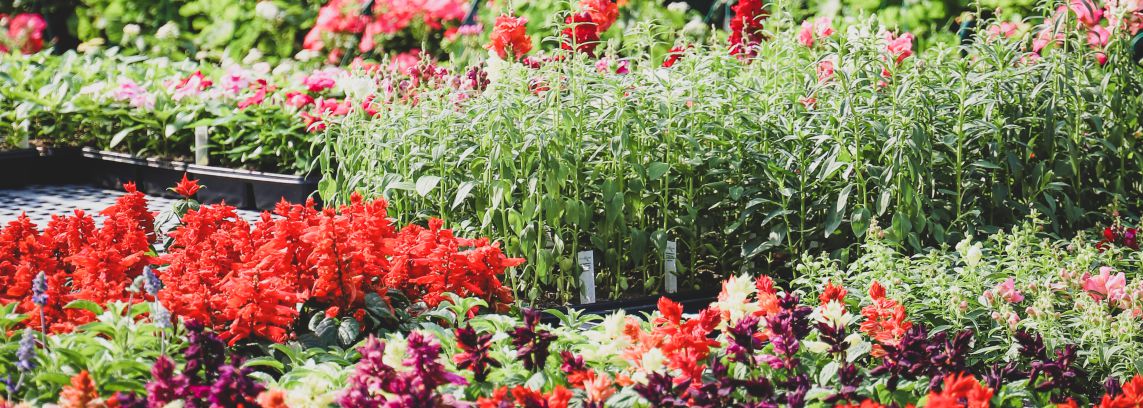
x=1087, y=12
x=136, y=95
x=1106, y=286
x=819, y=28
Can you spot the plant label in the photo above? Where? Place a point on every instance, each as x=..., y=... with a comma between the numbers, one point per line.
x=587, y=277
x=670, y=255
x=201, y=145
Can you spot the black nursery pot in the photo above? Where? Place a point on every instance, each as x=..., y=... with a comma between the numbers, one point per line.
x=692, y=302
x=244, y=189
x=17, y=167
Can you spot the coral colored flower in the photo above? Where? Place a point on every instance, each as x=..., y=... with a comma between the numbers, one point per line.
x=603, y=12
x=961, y=390
x=187, y=188
x=1007, y=291
x=885, y=319
x=899, y=47
x=298, y=99
x=510, y=37
x=1106, y=286
x=80, y=393
x=599, y=387
x=581, y=34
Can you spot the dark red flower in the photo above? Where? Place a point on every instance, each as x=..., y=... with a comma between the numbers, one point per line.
x=581, y=34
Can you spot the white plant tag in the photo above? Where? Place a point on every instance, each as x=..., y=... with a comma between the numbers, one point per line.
x=671, y=281
x=587, y=277
x=201, y=145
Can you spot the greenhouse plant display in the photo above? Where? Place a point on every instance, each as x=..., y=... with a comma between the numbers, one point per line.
x=574, y=204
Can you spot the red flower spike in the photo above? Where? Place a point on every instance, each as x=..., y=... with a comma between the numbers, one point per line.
x=187, y=188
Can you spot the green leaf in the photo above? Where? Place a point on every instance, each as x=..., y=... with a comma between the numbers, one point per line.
x=348, y=331
x=426, y=184
x=87, y=305
x=462, y=193
x=122, y=134
x=833, y=220
x=657, y=170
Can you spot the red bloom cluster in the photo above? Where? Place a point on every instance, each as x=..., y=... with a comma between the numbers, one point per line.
x=340, y=19
x=25, y=33
x=961, y=391
x=79, y=260
x=746, y=26
x=245, y=280
x=510, y=35
x=1119, y=235
x=526, y=397
x=885, y=319
x=581, y=33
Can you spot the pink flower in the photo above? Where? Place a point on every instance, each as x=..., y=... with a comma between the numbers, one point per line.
x=1005, y=29
x=1086, y=11
x=298, y=99
x=404, y=61
x=319, y=81
x=136, y=95
x=1098, y=36
x=899, y=47
x=27, y=31
x=825, y=70
x=1007, y=291
x=190, y=86
x=819, y=28
x=1105, y=285
x=236, y=80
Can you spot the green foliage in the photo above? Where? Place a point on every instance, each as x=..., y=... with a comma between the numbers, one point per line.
x=117, y=349
x=64, y=101
x=944, y=287
x=204, y=29
x=721, y=155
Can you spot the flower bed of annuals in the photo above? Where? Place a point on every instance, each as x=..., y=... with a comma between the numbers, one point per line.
x=847, y=340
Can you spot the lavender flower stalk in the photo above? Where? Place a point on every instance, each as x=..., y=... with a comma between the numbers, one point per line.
x=40, y=289
x=26, y=353
x=151, y=282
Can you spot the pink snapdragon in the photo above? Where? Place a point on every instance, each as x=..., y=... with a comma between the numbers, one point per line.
x=821, y=27
x=825, y=70
x=1087, y=12
x=1007, y=290
x=1106, y=286
x=900, y=47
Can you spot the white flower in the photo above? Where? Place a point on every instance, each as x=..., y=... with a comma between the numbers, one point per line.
x=168, y=31
x=735, y=298
x=608, y=339
x=306, y=55
x=254, y=55
x=815, y=346
x=678, y=7
x=833, y=313
x=130, y=31
x=396, y=350
x=268, y=10
x=653, y=360
x=355, y=87
x=973, y=256
x=696, y=27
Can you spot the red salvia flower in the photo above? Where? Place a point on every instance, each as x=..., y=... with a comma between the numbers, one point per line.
x=187, y=188
x=1131, y=395
x=832, y=292
x=961, y=390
